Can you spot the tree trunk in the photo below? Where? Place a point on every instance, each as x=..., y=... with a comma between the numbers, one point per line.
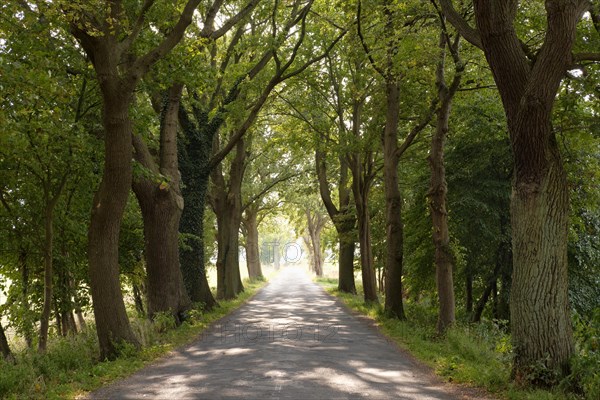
x=361, y=186
x=138, y=300
x=393, y=209
x=346, y=264
x=165, y=289
x=252, y=245
x=194, y=159
x=80, y=319
x=162, y=205
x=315, y=223
x=192, y=257
x=48, y=250
x=227, y=202
x=539, y=306
x=109, y=203
x=438, y=187
x=229, y=283
x=366, y=251
x=4, y=347
x=24, y=270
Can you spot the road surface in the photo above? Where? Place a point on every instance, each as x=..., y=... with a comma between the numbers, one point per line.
x=291, y=341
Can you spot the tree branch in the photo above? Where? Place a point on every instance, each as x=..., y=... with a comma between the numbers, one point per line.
x=418, y=128
x=143, y=64
x=462, y=26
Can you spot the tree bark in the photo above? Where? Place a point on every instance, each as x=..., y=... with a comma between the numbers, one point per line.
x=162, y=205
x=51, y=196
x=227, y=205
x=315, y=223
x=362, y=176
x=438, y=187
x=346, y=264
x=48, y=277
x=109, y=204
x=393, y=200
x=366, y=251
x=250, y=221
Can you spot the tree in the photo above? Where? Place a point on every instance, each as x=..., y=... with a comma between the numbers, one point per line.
x=315, y=222
x=438, y=187
x=388, y=69
x=161, y=203
x=107, y=35
x=528, y=81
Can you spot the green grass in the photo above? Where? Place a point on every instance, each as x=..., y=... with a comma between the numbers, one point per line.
x=70, y=367
x=477, y=355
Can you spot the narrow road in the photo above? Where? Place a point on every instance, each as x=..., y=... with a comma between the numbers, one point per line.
x=291, y=341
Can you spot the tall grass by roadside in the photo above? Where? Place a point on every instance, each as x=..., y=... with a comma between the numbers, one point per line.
x=480, y=355
x=70, y=366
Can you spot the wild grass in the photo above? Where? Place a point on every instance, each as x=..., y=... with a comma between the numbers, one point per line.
x=71, y=367
x=479, y=355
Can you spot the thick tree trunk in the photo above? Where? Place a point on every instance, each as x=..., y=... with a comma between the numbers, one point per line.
x=162, y=206
x=229, y=283
x=393, y=209
x=67, y=322
x=192, y=257
x=112, y=324
x=539, y=306
x=346, y=264
x=227, y=202
x=165, y=290
x=252, y=245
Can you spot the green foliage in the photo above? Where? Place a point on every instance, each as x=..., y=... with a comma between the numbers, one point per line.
x=585, y=376
x=164, y=321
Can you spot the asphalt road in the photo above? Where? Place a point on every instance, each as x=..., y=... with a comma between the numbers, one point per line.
x=291, y=341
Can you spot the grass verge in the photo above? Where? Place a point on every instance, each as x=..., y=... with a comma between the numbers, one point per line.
x=476, y=355
x=70, y=368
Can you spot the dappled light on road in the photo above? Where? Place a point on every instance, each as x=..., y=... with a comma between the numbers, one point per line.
x=291, y=341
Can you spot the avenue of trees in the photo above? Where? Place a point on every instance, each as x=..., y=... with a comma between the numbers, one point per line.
x=444, y=152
